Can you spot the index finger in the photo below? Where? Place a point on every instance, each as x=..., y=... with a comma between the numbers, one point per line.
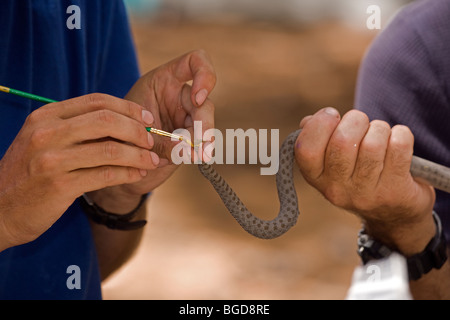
x=313, y=141
x=205, y=113
x=94, y=102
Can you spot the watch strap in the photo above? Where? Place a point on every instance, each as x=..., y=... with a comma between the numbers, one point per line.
x=113, y=220
x=432, y=257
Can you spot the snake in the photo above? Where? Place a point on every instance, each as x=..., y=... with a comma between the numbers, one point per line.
x=434, y=174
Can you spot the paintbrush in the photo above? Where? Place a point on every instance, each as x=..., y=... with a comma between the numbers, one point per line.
x=47, y=101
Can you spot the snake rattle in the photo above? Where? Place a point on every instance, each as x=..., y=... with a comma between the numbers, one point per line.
x=434, y=174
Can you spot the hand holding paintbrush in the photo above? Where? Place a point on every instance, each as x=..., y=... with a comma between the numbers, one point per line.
x=47, y=100
x=61, y=152
x=98, y=144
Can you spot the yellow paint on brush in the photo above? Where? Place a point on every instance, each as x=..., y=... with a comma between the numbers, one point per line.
x=172, y=135
x=4, y=89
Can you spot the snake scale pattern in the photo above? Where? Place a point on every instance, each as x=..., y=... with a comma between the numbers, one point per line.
x=434, y=174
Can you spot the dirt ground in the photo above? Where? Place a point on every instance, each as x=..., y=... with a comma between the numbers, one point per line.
x=269, y=76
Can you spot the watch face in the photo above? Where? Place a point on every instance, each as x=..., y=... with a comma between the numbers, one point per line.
x=369, y=249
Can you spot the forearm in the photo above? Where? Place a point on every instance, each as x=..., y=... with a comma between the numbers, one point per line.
x=364, y=167
x=116, y=247
x=4, y=242
x=411, y=239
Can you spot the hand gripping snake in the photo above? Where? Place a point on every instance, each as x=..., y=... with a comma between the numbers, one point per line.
x=434, y=174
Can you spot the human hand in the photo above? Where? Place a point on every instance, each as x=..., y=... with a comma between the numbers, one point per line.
x=174, y=105
x=65, y=149
x=364, y=167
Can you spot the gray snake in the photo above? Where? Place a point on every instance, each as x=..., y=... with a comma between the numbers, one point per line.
x=434, y=174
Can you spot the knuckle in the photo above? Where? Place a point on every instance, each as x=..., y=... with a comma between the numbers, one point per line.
x=105, y=116
x=41, y=136
x=45, y=164
x=336, y=195
x=200, y=52
x=107, y=175
x=366, y=169
x=96, y=99
x=337, y=165
x=141, y=134
x=402, y=138
x=207, y=64
x=132, y=175
x=381, y=125
x=38, y=115
x=48, y=161
x=372, y=146
x=112, y=176
x=359, y=116
x=133, y=110
x=307, y=163
x=340, y=141
x=306, y=155
x=111, y=150
x=402, y=128
x=138, y=134
x=399, y=161
x=34, y=117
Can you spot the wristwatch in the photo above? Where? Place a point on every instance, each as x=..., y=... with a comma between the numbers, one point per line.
x=113, y=220
x=433, y=257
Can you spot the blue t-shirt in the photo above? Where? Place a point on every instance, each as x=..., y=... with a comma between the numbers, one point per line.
x=41, y=55
x=405, y=79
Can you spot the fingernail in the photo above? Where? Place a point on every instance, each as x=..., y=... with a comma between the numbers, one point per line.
x=147, y=117
x=143, y=172
x=331, y=111
x=151, y=141
x=201, y=96
x=155, y=158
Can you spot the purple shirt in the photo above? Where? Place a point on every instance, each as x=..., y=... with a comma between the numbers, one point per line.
x=405, y=79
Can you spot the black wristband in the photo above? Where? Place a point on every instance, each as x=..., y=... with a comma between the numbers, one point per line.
x=433, y=257
x=113, y=220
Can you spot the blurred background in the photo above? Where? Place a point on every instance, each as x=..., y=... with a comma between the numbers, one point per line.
x=276, y=62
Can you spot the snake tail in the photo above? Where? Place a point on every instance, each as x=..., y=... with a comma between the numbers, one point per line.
x=435, y=174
